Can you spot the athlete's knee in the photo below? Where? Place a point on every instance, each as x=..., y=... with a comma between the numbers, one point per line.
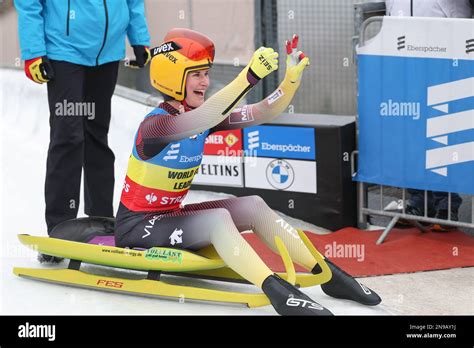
x=255, y=200
x=260, y=205
x=221, y=215
x=220, y=220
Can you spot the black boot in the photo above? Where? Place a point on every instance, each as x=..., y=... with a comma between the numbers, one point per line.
x=84, y=229
x=288, y=300
x=343, y=285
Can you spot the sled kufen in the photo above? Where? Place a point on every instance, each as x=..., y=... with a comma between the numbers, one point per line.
x=155, y=262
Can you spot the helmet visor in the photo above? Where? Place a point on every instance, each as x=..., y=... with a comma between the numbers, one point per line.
x=194, y=45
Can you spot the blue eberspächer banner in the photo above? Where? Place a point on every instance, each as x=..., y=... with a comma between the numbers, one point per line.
x=280, y=142
x=416, y=105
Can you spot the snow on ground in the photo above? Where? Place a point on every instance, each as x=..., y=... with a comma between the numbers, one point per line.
x=24, y=139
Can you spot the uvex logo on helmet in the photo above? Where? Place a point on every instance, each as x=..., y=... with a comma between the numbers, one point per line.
x=165, y=48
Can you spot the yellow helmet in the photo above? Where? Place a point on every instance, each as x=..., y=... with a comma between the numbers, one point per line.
x=183, y=51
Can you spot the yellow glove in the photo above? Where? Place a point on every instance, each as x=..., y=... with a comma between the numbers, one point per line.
x=296, y=61
x=39, y=69
x=263, y=62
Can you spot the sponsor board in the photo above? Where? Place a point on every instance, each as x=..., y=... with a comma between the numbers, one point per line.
x=281, y=142
x=221, y=171
x=432, y=148
x=224, y=143
x=281, y=174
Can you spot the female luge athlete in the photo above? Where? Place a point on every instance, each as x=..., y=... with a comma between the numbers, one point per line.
x=168, y=150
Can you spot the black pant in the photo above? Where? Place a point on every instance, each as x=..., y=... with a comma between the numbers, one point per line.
x=79, y=102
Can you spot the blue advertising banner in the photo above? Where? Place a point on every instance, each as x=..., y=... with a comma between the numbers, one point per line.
x=416, y=116
x=280, y=142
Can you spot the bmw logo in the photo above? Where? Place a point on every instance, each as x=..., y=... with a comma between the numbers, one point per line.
x=280, y=174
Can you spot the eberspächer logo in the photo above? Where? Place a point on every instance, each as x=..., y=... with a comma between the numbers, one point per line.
x=280, y=174
x=403, y=45
x=401, y=42
x=470, y=46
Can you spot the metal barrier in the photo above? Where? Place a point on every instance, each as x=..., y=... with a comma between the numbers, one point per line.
x=362, y=12
x=138, y=96
x=363, y=210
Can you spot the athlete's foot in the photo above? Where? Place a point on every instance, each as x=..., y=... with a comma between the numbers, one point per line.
x=43, y=258
x=344, y=286
x=288, y=300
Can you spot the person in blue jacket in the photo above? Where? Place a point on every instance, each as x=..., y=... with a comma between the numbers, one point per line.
x=75, y=47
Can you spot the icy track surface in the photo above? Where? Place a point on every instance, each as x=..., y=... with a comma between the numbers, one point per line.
x=24, y=141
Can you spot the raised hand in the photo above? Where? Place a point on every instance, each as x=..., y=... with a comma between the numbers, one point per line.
x=263, y=62
x=296, y=61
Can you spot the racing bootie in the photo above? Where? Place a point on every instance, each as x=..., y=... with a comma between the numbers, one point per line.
x=288, y=300
x=343, y=285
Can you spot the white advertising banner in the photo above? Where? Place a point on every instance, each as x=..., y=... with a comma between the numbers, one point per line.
x=281, y=174
x=221, y=171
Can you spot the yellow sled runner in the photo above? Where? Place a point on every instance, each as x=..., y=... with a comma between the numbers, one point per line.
x=205, y=264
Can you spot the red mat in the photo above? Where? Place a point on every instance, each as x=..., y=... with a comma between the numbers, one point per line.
x=403, y=251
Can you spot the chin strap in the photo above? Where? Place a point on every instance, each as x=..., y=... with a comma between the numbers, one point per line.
x=187, y=107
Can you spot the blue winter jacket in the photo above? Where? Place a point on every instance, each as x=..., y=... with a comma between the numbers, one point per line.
x=85, y=32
